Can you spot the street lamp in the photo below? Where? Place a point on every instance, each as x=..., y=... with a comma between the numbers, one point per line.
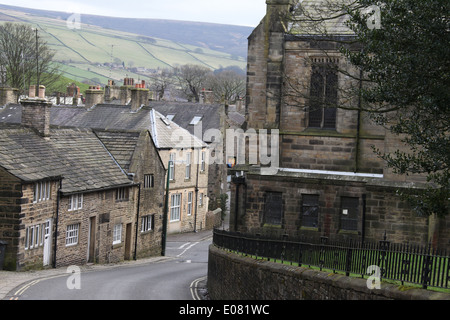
x=166, y=209
x=37, y=62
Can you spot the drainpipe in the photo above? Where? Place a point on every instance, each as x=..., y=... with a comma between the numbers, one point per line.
x=137, y=222
x=196, y=192
x=166, y=209
x=58, y=200
x=363, y=223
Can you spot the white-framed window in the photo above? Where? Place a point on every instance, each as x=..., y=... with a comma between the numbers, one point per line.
x=117, y=234
x=175, y=207
x=189, y=204
x=43, y=232
x=203, y=162
x=42, y=191
x=188, y=165
x=31, y=246
x=30, y=237
x=122, y=194
x=76, y=202
x=200, y=199
x=27, y=237
x=147, y=223
x=149, y=181
x=172, y=167
x=72, y=232
x=34, y=237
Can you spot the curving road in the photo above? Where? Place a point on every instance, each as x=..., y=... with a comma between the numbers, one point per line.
x=174, y=278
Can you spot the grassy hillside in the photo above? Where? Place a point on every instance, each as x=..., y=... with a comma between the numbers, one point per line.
x=93, y=53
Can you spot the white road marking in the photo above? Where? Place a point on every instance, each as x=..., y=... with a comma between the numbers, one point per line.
x=194, y=286
x=184, y=245
x=195, y=243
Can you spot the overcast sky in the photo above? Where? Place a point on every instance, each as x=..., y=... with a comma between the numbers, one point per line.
x=237, y=12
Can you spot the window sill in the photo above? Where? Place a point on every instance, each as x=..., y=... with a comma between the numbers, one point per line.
x=268, y=225
x=117, y=245
x=351, y=232
x=316, y=229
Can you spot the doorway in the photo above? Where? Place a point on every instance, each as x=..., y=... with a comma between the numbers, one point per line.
x=91, y=240
x=47, y=242
x=128, y=242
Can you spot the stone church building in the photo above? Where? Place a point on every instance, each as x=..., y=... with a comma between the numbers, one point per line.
x=328, y=181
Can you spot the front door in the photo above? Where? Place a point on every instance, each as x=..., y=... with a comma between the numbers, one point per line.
x=47, y=242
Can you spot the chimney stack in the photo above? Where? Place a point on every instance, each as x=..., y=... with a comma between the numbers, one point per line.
x=94, y=95
x=125, y=90
x=139, y=96
x=36, y=112
x=207, y=96
x=8, y=95
x=112, y=92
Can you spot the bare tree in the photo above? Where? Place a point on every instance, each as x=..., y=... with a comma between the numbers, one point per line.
x=162, y=81
x=227, y=85
x=191, y=79
x=26, y=57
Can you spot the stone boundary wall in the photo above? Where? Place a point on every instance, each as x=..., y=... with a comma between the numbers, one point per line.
x=213, y=219
x=234, y=277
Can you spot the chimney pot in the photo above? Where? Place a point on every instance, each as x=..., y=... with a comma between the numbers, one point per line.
x=32, y=91
x=42, y=92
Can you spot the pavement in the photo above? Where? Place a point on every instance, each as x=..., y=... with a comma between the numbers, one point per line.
x=11, y=280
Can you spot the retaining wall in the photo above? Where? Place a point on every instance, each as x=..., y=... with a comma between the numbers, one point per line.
x=234, y=277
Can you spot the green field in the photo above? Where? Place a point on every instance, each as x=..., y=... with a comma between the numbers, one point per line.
x=83, y=51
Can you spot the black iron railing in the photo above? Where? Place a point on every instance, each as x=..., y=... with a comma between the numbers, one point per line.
x=414, y=264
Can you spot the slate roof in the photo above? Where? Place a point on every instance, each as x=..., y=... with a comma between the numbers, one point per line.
x=76, y=155
x=102, y=116
x=167, y=134
x=114, y=117
x=184, y=112
x=121, y=144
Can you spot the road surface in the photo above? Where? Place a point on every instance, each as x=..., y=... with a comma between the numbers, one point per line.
x=174, y=278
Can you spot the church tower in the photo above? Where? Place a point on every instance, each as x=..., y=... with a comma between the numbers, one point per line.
x=265, y=67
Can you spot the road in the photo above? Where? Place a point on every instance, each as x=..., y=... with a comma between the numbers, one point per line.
x=169, y=279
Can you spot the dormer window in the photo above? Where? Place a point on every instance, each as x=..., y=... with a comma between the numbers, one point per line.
x=195, y=120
